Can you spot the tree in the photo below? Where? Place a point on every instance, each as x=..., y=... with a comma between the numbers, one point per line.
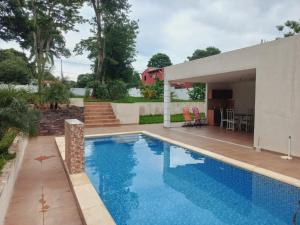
x=159, y=60
x=135, y=80
x=112, y=46
x=14, y=67
x=38, y=26
x=202, y=53
x=85, y=80
x=292, y=27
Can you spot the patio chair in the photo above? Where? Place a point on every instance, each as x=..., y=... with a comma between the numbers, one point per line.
x=223, y=119
x=196, y=116
x=187, y=117
x=231, y=122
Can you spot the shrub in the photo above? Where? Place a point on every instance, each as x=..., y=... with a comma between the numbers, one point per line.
x=15, y=113
x=57, y=93
x=155, y=91
x=101, y=91
x=198, y=92
x=6, y=141
x=117, y=89
x=112, y=90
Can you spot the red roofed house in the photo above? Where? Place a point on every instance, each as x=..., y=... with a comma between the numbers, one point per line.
x=150, y=75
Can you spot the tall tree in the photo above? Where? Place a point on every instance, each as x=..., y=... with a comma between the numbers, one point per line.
x=14, y=67
x=159, y=60
x=290, y=28
x=202, y=53
x=38, y=26
x=112, y=44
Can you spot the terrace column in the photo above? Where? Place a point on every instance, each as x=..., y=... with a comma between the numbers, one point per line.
x=167, y=105
x=74, y=146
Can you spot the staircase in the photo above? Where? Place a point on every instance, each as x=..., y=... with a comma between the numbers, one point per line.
x=99, y=114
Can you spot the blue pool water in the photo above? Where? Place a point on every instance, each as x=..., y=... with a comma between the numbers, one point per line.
x=145, y=181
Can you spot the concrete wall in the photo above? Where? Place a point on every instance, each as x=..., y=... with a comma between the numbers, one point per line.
x=153, y=108
x=77, y=102
x=179, y=93
x=130, y=113
x=126, y=113
x=243, y=96
x=9, y=175
x=277, y=103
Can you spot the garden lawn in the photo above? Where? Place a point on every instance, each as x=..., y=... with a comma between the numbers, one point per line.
x=150, y=119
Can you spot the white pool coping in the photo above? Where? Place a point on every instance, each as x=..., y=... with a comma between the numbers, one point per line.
x=92, y=207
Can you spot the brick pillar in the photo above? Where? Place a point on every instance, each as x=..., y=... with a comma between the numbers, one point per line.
x=74, y=146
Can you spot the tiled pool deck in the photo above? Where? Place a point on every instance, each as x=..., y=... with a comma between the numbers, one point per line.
x=42, y=193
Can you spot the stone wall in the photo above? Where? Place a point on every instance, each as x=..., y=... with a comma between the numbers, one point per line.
x=74, y=145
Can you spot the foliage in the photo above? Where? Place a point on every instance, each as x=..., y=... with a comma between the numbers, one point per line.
x=134, y=80
x=15, y=112
x=292, y=27
x=112, y=46
x=155, y=91
x=38, y=26
x=6, y=141
x=57, y=93
x=159, y=60
x=200, y=53
x=85, y=80
x=14, y=71
x=112, y=90
x=101, y=91
x=14, y=67
x=117, y=89
x=197, y=92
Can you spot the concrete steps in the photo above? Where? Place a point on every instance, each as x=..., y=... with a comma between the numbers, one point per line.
x=99, y=114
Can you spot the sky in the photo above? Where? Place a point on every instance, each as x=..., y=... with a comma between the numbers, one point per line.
x=178, y=27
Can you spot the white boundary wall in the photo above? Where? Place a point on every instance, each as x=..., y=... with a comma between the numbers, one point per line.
x=9, y=175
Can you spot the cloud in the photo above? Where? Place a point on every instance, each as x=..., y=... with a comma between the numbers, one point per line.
x=178, y=27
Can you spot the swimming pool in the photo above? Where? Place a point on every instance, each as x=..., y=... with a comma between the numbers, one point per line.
x=144, y=180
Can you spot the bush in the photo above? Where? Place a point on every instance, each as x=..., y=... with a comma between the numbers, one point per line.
x=117, y=89
x=15, y=113
x=6, y=141
x=198, y=92
x=155, y=91
x=113, y=90
x=57, y=93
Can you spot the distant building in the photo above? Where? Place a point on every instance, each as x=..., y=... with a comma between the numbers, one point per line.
x=151, y=74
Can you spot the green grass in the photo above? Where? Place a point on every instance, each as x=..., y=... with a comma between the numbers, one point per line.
x=5, y=143
x=131, y=99
x=150, y=119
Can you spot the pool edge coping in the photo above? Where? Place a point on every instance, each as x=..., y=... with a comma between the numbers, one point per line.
x=95, y=217
x=92, y=209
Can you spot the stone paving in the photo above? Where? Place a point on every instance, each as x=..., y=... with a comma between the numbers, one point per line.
x=42, y=195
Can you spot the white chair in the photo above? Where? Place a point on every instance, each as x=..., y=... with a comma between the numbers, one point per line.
x=245, y=122
x=230, y=120
x=223, y=118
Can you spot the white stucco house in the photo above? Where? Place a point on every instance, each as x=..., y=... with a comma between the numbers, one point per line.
x=264, y=77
